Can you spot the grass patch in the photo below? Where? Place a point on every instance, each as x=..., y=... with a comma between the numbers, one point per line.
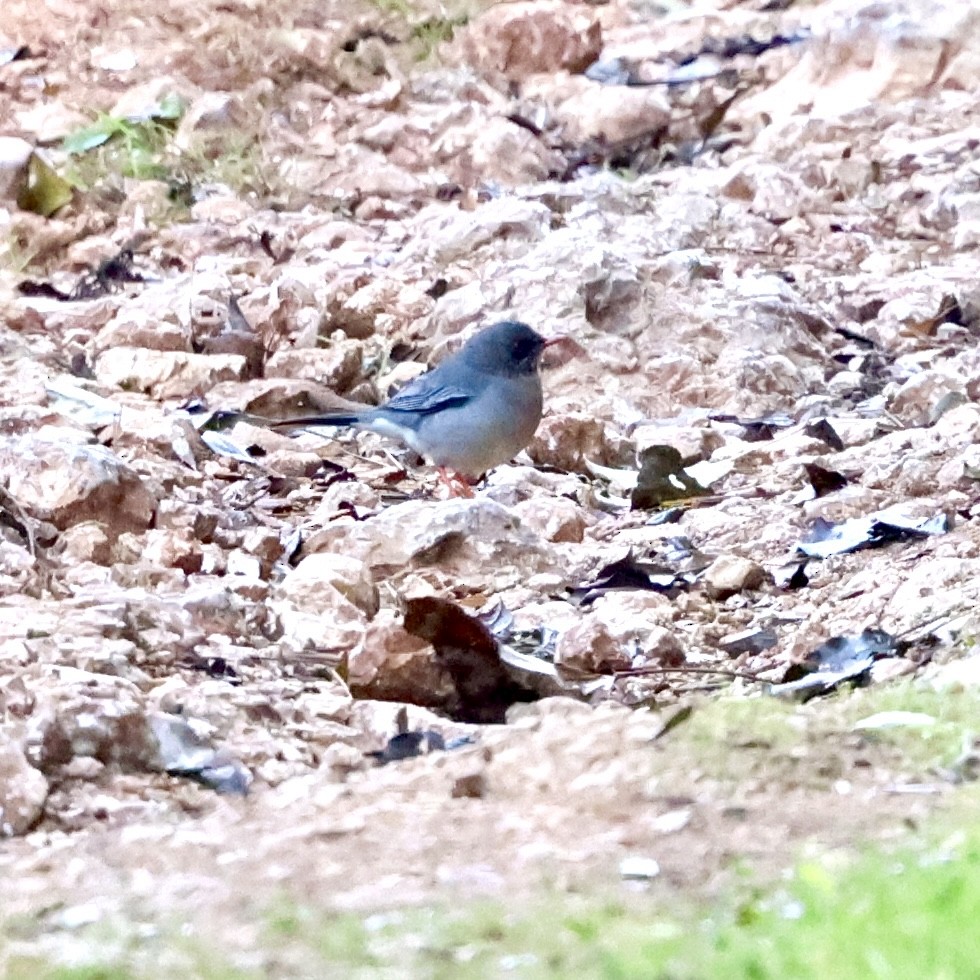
x=894, y=915
x=103, y=155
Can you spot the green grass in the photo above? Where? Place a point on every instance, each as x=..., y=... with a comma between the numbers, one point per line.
x=102, y=155
x=885, y=915
x=889, y=915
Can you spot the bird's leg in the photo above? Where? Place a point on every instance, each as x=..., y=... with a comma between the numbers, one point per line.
x=457, y=484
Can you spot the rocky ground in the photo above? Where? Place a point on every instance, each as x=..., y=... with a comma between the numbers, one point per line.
x=759, y=222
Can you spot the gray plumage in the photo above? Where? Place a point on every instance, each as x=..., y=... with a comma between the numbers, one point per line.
x=473, y=411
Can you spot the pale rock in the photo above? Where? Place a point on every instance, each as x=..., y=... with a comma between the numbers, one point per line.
x=276, y=398
x=208, y=117
x=159, y=548
x=388, y=661
x=585, y=110
x=556, y=519
x=521, y=39
x=445, y=236
x=641, y=622
x=240, y=564
x=693, y=442
x=71, y=484
x=343, y=497
x=365, y=173
x=142, y=102
x=291, y=463
x=15, y=154
x=463, y=537
x=168, y=436
x=929, y=590
x=224, y=208
x=570, y=441
x=851, y=501
x=381, y=302
x=332, y=622
x=918, y=397
x=149, y=321
x=216, y=327
x=168, y=374
x=83, y=542
x=23, y=790
x=957, y=675
x=91, y=715
x=615, y=354
x=552, y=614
x=263, y=542
x=50, y=121
x=337, y=366
x=845, y=383
x=591, y=647
x=731, y=574
x=506, y=153
x=309, y=585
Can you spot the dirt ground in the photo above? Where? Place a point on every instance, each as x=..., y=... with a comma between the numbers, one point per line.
x=769, y=268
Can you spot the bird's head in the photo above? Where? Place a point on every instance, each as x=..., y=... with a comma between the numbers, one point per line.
x=509, y=347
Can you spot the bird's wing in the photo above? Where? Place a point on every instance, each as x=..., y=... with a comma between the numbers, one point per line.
x=422, y=396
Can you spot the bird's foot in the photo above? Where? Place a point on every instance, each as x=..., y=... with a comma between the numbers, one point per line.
x=456, y=483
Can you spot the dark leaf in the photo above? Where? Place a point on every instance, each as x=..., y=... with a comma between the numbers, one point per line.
x=822, y=429
x=822, y=480
x=791, y=576
x=758, y=429
x=31, y=287
x=750, y=641
x=438, y=289
x=841, y=658
x=183, y=751
x=101, y=280
x=45, y=192
x=408, y=745
x=630, y=573
x=7, y=55
x=484, y=689
x=873, y=531
x=672, y=721
x=662, y=479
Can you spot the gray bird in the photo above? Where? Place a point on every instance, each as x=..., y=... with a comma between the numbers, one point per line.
x=473, y=411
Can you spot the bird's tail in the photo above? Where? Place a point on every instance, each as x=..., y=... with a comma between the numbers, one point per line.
x=331, y=418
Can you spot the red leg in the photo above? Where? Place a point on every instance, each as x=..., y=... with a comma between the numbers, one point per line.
x=457, y=484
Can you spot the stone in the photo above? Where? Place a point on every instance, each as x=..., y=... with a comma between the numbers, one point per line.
x=90, y=715
x=71, y=484
x=521, y=39
x=463, y=537
x=388, y=662
x=87, y=541
x=309, y=585
x=136, y=326
x=168, y=374
x=337, y=366
x=570, y=441
x=556, y=519
x=585, y=111
x=23, y=790
x=590, y=646
x=276, y=398
x=728, y=575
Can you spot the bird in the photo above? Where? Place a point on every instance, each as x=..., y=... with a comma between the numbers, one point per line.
x=471, y=412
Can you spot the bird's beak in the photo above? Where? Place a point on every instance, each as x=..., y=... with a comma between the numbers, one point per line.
x=567, y=348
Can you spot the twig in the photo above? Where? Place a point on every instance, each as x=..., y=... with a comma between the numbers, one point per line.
x=721, y=671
